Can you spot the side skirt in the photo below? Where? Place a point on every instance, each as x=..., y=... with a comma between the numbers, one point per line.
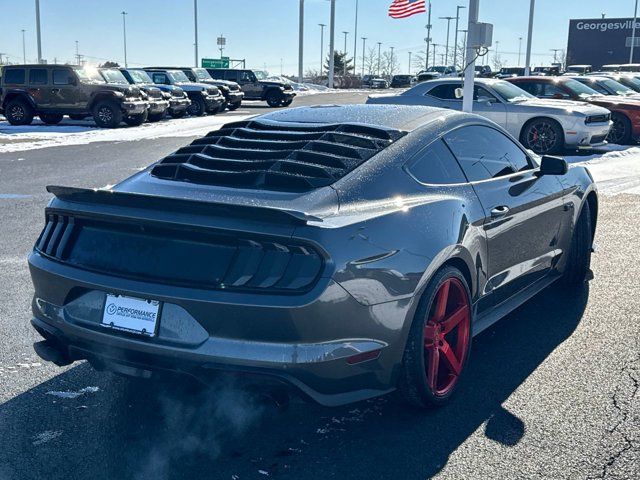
x=500, y=311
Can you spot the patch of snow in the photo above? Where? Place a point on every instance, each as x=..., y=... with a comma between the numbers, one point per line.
x=71, y=394
x=46, y=436
x=616, y=169
x=39, y=135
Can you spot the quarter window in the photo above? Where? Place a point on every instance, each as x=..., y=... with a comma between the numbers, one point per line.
x=62, y=77
x=14, y=76
x=38, y=76
x=485, y=153
x=445, y=91
x=436, y=165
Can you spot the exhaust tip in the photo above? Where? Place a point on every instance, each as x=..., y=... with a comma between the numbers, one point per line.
x=50, y=352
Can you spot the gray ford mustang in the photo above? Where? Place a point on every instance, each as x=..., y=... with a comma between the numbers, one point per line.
x=339, y=252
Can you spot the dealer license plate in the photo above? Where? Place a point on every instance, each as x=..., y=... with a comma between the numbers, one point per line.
x=131, y=314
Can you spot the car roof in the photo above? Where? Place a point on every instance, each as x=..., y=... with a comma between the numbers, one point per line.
x=484, y=81
x=398, y=117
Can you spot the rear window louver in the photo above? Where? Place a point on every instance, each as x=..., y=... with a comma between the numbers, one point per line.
x=251, y=154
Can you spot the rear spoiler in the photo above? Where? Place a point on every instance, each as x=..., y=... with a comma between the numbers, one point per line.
x=170, y=204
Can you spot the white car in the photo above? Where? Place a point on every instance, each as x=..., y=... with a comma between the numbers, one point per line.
x=544, y=126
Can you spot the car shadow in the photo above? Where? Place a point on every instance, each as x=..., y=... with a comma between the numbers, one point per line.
x=124, y=429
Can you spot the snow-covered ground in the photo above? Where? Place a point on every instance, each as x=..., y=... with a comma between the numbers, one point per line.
x=70, y=132
x=615, y=168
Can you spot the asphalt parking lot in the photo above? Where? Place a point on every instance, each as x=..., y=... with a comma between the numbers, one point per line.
x=551, y=391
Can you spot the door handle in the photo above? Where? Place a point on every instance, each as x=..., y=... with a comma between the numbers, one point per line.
x=500, y=211
x=55, y=90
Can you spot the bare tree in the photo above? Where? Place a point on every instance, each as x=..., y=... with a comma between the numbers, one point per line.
x=497, y=62
x=371, y=61
x=389, y=63
x=419, y=61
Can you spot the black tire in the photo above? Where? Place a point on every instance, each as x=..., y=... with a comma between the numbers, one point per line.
x=136, y=120
x=274, y=99
x=156, y=117
x=579, y=259
x=286, y=103
x=19, y=112
x=107, y=114
x=224, y=106
x=544, y=136
x=197, y=108
x=620, y=133
x=77, y=116
x=414, y=384
x=51, y=118
x=234, y=106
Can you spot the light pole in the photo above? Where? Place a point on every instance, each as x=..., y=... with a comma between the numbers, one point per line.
x=38, y=39
x=321, y=25
x=519, y=49
x=77, y=54
x=633, y=32
x=344, y=65
x=364, y=43
x=379, y=46
x=124, y=32
x=464, y=49
x=433, y=55
x=301, y=43
x=555, y=54
x=527, y=68
x=446, y=50
x=332, y=37
x=410, y=63
x=469, y=72
x=195, y=30
x=428, y=39
x=455, y=48
x=24, y=50
x=355, y=40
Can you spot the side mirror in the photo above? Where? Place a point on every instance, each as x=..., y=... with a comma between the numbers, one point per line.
x=553, y=166
x=73, y=81
x=484, y=100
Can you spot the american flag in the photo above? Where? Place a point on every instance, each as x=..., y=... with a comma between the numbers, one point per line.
x=406, y=8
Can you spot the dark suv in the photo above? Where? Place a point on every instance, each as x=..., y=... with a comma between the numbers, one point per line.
x=204, y=98
x=276, y=94
x=51, y=91
x=177, y=98
x=157, y=103
x=232, y=92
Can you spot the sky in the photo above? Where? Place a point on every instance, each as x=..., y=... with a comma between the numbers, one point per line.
x=265, y=32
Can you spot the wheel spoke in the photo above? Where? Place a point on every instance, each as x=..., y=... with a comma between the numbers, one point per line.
x=454, y=319
x=441, y=301
x=433, y=357
x=450, y=358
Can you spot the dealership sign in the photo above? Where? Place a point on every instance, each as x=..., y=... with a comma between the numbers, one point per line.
x=601, y=41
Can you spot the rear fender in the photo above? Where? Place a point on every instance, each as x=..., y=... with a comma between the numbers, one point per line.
x=21, y=94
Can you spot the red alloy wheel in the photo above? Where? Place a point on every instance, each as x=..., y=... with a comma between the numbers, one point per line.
x=446, y=336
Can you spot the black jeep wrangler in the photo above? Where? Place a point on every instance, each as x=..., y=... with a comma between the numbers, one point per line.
x=233, y=95
x=52, y=91
x=276, y=94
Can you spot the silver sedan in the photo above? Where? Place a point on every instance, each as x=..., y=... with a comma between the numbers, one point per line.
x=544, y=126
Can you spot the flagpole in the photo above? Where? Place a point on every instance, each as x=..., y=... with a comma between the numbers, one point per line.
x=428, y=38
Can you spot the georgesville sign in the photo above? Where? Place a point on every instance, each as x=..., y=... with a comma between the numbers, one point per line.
x=601, y=41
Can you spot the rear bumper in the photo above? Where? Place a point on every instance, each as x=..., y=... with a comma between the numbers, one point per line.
x=305, y=341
